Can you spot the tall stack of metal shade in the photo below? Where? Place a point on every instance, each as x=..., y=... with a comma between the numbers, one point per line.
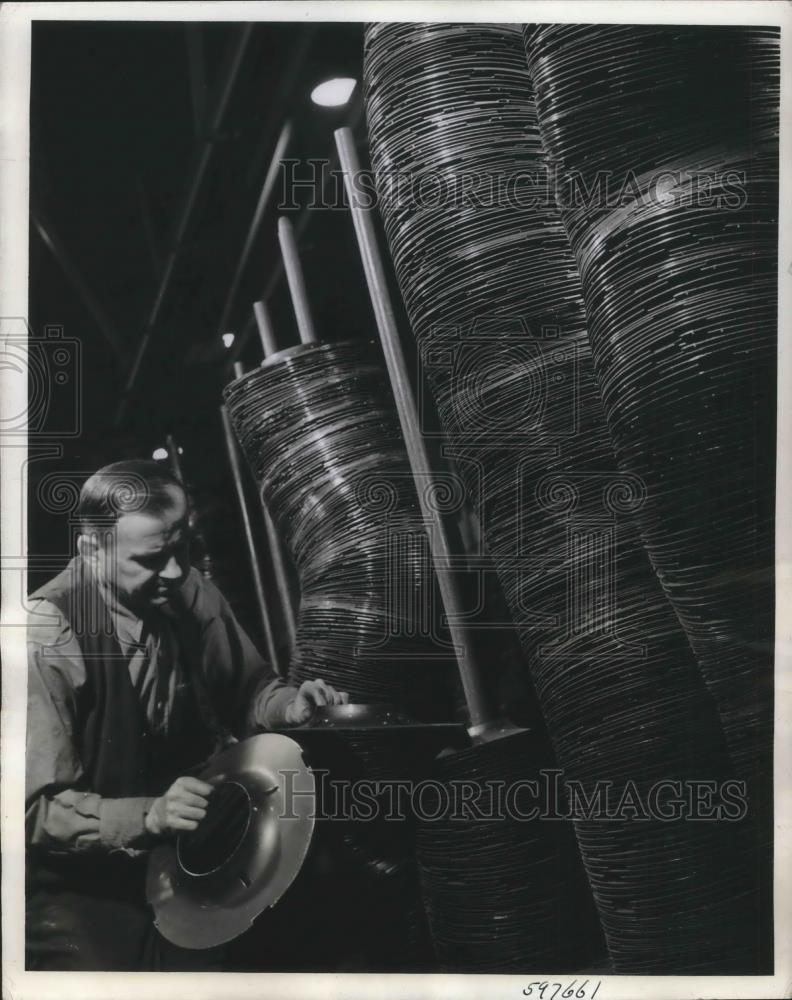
x=504, y=892
x=319, y=430
x=678, y=262
x=669, y=195
x=493, y=294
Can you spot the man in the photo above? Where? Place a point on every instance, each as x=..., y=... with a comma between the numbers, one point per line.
x=138, y=671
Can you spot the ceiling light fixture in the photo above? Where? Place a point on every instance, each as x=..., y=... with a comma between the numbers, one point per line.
x=333, y=93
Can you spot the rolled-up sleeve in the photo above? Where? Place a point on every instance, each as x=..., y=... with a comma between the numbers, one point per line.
x=62, y=814
x=246, y=691
x=265, y=695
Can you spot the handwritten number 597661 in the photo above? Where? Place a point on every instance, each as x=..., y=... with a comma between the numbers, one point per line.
x=551, y=991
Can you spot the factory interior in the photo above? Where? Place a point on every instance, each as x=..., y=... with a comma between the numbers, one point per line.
x=492, y=448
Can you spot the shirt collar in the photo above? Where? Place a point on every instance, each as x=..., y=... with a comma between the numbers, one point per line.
x=129, y=627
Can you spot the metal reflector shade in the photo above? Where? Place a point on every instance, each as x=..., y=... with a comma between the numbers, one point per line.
x=210, y=885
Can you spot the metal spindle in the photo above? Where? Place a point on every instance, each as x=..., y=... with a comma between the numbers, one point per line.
x=258, y=582
x=294, y=276
x=482, y=716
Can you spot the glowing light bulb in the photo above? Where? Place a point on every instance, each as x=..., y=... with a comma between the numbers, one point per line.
x=160, y=454
x=228, y=339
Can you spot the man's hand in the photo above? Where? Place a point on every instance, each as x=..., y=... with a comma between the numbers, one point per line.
x=182, y=807
x=310, y=695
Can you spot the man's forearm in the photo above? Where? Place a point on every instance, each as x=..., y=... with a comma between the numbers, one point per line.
x=78, y=822
x=270, y=704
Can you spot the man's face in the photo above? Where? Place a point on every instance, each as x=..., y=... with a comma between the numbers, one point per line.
x=145, y=559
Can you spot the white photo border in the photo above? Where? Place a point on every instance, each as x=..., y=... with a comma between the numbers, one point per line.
x=15, y=43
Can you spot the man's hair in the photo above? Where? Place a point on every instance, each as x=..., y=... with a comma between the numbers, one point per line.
x=133, y=486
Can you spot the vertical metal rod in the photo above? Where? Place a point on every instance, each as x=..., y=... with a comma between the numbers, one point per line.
x=270, y=346
x=173, y=456
x=294, y=276
x=205, y=566
x=258, y=582
x=266, y=332
x=255, y=223
x=280, y=574
x=306, y=215
x=481, y=713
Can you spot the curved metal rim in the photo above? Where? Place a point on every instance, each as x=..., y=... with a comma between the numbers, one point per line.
x=196, y=923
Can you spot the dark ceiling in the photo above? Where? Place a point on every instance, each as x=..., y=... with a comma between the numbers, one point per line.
x=120, y=113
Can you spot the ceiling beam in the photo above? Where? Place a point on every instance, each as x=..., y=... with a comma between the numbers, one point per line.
x=57, y=248
x=203, y=158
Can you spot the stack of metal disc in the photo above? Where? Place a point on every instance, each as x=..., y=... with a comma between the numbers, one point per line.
x=493, y=294
x=319, y=430
x=676, y=143
x=501, y=892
